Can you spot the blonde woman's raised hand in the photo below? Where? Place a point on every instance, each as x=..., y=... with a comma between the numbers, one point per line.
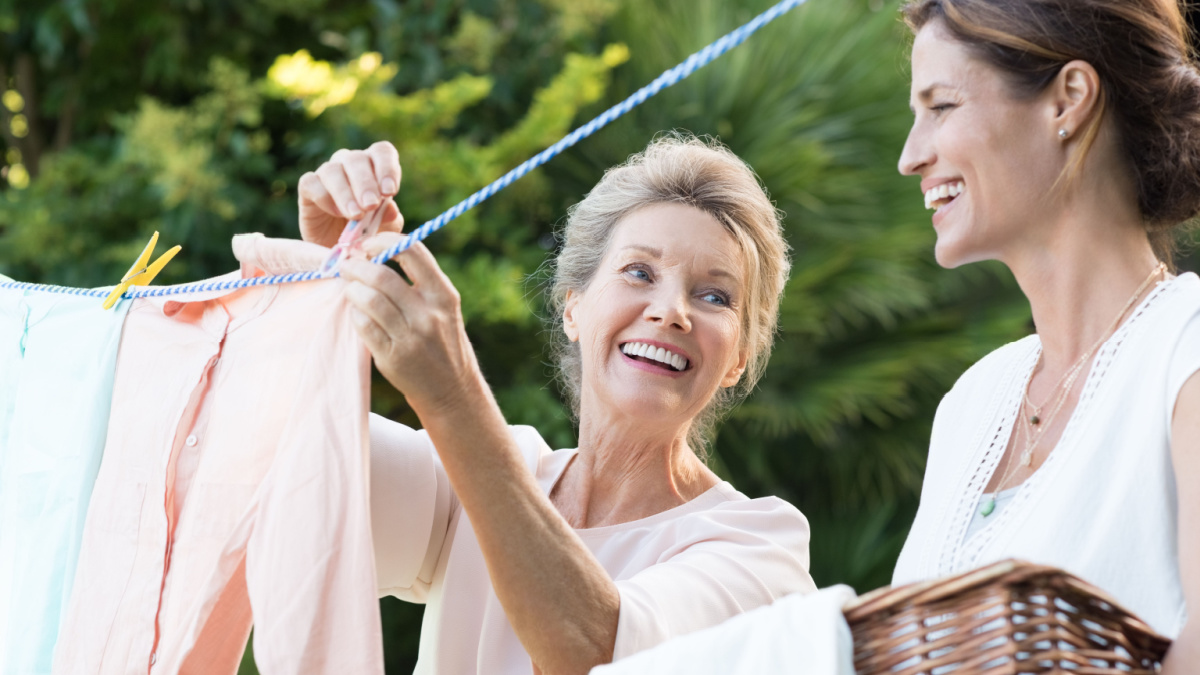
x=348, y=186
x=413, y=328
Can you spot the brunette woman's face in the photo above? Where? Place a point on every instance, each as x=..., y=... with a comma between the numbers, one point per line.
x=987, y=159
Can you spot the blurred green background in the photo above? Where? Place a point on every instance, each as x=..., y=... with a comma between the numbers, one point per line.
x=197, y=117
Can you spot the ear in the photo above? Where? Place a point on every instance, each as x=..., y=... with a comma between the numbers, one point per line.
x=1076, y=97
x=735, y=373
x=570, y=327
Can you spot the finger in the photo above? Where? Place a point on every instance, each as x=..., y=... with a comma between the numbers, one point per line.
x=380, y=308
x=373, y=335
x=427, y=276
x=312, y=191
x=381, y=242
x=393, y=220
x=360, y=173
x=333, y=177
x=378, y=278
x=386, y=162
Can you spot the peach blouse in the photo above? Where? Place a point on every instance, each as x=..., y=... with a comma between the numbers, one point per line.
x=232, y=489
x=679, y=571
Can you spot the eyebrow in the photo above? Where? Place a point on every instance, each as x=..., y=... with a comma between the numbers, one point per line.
x=650, y=250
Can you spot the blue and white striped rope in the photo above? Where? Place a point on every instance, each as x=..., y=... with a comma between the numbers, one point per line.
x=668, y=78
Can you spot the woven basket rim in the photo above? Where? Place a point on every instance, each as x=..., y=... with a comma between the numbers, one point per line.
x=923, y=592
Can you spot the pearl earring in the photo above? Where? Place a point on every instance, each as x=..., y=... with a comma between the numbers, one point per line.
x=1062, y=133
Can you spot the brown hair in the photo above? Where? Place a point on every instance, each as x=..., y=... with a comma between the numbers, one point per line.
x=1149, y=82
x=682, y=169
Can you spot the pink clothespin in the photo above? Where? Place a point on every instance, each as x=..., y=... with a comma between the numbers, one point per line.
x=351, y=240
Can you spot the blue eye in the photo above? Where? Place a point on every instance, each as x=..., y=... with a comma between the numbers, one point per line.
x=716, y=299
x=638, y=273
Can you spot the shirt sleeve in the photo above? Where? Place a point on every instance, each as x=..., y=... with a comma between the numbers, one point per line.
x=411, y=506
x=728, y=561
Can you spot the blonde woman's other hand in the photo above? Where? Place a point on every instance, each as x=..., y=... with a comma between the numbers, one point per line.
x=347, y=187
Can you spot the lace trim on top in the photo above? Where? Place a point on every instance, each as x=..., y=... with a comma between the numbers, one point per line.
x=962, y=553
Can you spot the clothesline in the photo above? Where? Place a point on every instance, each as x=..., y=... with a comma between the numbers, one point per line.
x=666, y=79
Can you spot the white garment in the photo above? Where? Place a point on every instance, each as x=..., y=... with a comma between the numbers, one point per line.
x=801, y=634
x=999, y=501
x=1103, y=506
x=679, y=571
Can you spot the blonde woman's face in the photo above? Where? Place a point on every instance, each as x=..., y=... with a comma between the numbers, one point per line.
x=986, y=159
x=659, y=325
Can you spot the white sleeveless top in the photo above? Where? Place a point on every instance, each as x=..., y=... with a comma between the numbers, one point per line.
x=1103, y=506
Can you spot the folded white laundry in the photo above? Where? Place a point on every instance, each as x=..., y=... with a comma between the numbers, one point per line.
x=798, y=635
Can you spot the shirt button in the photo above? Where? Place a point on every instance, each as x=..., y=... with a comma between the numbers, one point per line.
x=153, y=657
x=191, y=440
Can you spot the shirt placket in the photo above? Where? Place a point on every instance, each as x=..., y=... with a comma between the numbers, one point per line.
x=186, y=439
x=14, y=360
x=23, y=313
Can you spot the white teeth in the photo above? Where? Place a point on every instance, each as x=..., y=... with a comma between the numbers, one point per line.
x=654, y=353
x=943, y=191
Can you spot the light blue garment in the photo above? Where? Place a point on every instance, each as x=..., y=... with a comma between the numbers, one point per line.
x=58, y=354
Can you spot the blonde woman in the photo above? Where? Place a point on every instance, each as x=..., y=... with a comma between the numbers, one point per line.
x=1062, y=138
x=667, y=291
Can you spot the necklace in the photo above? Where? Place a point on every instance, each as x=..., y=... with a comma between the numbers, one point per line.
x=1035, y=419
x=989, y=504
x=1062, y=389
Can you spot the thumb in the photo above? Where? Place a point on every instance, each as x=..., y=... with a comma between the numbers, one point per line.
x=393, y=220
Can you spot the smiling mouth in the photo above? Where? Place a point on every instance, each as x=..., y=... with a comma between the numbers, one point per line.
x=937, y=197
x=640, y=351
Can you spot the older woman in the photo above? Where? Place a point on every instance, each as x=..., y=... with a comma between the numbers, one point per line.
x=531, y=560
x=1062, y=138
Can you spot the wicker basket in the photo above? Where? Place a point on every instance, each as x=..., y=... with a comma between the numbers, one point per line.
x=1011, y=617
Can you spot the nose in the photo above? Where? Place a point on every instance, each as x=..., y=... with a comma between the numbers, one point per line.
x=917, y=154
x=669, y=308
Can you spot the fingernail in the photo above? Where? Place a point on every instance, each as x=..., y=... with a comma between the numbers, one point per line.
x=389, y=186
x=370, y=200
x=351, y=210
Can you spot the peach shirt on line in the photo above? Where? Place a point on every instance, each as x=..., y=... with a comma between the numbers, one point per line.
x=233, y=488
x=679, y=571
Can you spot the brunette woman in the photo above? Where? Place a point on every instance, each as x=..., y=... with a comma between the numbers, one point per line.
x=1062, y=138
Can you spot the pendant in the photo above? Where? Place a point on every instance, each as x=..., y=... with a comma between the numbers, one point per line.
x=1035, y=420
x=989, y=505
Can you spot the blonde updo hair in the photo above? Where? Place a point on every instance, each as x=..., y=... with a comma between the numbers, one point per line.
x=679, y=169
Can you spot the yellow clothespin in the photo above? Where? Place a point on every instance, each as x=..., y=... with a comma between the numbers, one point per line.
x=141, y=274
